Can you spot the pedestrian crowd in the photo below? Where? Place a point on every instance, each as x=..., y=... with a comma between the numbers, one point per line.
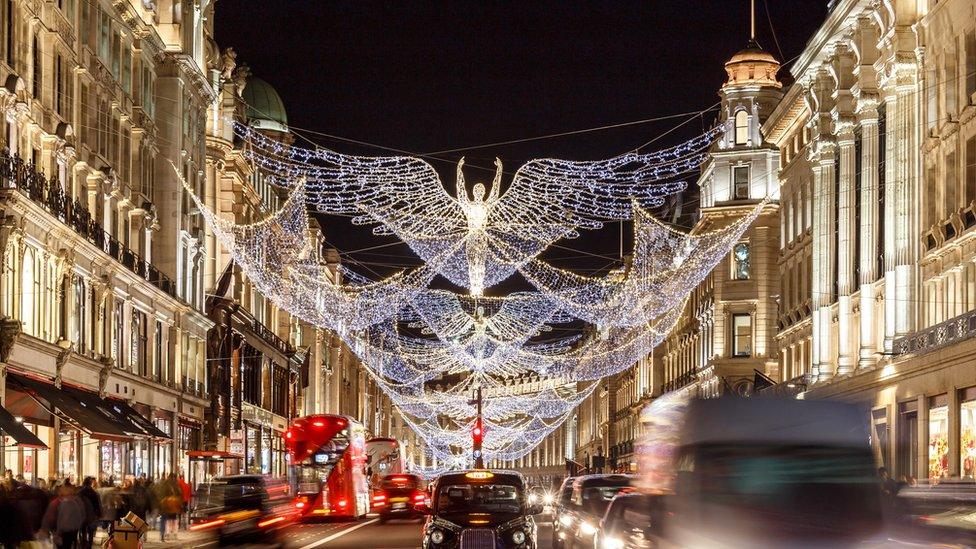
x=64, y=515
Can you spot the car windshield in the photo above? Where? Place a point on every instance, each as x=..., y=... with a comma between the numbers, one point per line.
x=478, y=498
x=597, y=498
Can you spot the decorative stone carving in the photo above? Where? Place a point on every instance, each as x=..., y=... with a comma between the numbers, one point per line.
x=240, y=76
x=10, y=329
x=228, y=63
x=60, y=362
x=108, y=364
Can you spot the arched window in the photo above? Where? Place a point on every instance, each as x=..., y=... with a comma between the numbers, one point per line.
x=741, y=127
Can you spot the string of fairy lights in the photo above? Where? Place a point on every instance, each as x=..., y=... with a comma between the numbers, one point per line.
x=430, y=349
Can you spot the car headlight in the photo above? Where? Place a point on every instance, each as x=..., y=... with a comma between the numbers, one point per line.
x=566, y=520
x=587, y=529
x=437, y=536
x=518, y=538
x=612, y=543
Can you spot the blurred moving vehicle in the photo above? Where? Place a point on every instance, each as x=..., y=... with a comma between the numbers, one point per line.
x=479, y=508
x=243, y=509
x=942, y=512
x=538, y=494
x=580, y=518
x=384, y=457
x=327, y=457
x=759, y=472
x=626, y=524
x=560, y=506
x=397, y=496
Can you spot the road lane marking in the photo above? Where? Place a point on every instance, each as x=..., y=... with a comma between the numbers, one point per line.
x=338, y=534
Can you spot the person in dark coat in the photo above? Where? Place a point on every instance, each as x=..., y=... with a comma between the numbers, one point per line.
x=93, y=509
x=15, y=529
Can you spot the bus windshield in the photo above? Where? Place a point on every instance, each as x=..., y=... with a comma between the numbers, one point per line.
x=312, y=473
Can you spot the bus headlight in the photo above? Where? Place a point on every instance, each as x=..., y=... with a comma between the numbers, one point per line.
x=566, y=520
x=437, y=536
x=612, y=543
x=587, y=529
x=518, y=537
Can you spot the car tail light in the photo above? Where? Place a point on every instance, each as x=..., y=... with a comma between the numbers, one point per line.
x=418, y=497
x=379, y=497
x=208, y=524
x=270, y=521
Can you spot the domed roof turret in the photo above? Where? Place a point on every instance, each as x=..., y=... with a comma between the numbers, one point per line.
x=752, y=66
x=265, y=109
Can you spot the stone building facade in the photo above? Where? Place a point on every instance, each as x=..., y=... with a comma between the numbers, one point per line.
x=100, y=290
x=861, y=282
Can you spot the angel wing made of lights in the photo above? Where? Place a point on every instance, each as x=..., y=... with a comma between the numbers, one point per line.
x=548, y=199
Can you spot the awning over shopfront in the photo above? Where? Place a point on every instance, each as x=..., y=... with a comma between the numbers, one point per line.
x=62, y=404
x=131, y=421
x=14, y=429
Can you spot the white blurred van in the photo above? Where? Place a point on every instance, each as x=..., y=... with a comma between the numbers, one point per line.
x=758, y=472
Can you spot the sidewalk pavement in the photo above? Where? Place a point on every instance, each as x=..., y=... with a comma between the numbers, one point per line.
x=183, y=538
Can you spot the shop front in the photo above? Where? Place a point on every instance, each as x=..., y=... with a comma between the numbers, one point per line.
x=263, y=441
x=80, y=433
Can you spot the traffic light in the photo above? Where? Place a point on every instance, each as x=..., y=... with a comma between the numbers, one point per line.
x=477, y=435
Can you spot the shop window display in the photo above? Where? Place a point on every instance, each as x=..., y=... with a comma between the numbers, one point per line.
x=938, y=438
x=967, y=434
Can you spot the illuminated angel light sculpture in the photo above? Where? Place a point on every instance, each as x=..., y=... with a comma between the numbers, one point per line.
x=493, y=235
x=477, y=241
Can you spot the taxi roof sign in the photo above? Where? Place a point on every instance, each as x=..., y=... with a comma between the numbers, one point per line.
x=479, y=475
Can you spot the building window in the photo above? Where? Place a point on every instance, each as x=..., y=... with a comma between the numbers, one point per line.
x=81, y=315
x=117, y=341
x=967, y=433
x=8, y=31
x=970, y=67
x=139, y=343
x=741, y=335
x=158, y=354
x=36, y=59
x=740, y=182
x=740, y=261
x=970, y=170
x=30, y=282
x=741, y=127
x=938, y=437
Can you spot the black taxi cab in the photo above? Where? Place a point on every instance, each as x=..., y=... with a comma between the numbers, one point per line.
x=479, y=508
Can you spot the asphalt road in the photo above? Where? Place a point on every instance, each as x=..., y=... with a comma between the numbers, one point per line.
x=370, y=534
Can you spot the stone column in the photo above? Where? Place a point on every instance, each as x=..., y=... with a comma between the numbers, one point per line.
x=868, y=117
x=845, y=248
x=822, y=287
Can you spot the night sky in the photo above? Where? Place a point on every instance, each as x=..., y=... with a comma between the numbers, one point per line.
x=427, y=76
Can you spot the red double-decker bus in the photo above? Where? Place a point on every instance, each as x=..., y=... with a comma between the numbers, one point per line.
x=327, y=460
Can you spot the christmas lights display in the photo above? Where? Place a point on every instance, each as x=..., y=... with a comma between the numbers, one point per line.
x=491, y=233
x=429, y=350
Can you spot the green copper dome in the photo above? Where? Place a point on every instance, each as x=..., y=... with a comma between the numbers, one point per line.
x=265, y=109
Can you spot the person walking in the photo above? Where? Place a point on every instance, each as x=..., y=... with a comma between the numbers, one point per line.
x=187, y=496
x=93, y=512
x=65, y=517
x=170, y=499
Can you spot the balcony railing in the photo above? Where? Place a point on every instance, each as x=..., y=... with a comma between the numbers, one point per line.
x=942, y=334
x=683, y=380
x=26, y=178
x=788, y=388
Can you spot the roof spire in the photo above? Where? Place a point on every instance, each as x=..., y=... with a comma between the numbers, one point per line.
x=752, y=20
